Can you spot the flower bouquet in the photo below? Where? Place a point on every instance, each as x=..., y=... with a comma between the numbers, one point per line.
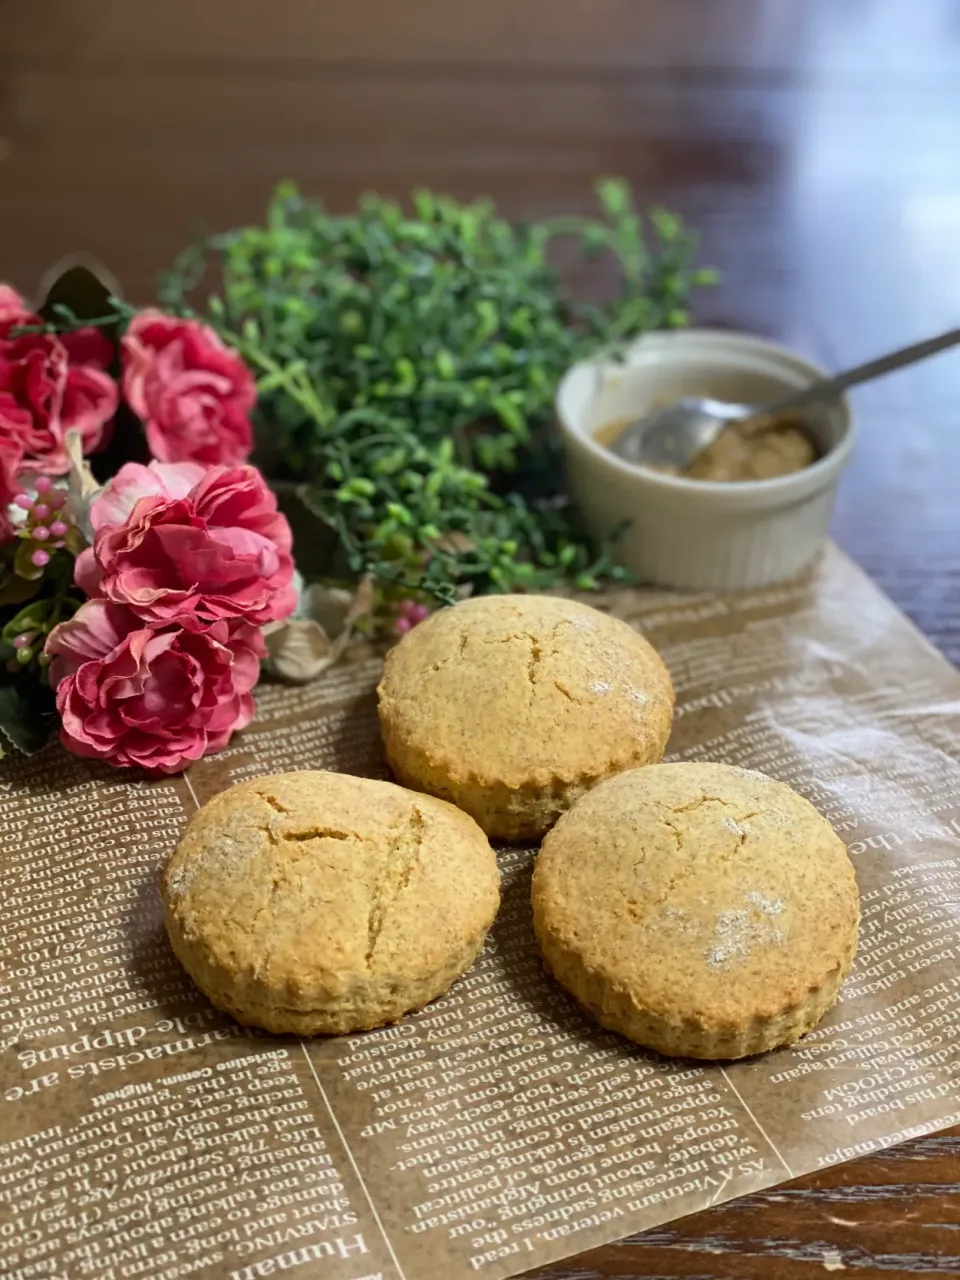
x=392, y=377
x=138, y=605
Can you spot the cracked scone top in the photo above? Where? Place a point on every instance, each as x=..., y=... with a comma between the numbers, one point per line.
x=512, y=706
x=701, y=910
x=320, y=903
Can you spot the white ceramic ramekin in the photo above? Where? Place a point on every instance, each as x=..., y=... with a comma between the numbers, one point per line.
x=698, y=534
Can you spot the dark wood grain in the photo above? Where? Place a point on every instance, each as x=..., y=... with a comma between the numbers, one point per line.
x=816, y=146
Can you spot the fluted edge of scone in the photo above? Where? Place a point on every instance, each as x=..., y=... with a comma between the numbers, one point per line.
x=621, y=1010
x=513, y=814
x=376, y=1006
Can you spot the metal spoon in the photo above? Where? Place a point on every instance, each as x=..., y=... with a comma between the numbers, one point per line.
x=675, y=435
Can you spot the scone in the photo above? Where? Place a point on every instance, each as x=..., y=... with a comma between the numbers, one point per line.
x=701, y=910
x=513, y=706
x=323, y=903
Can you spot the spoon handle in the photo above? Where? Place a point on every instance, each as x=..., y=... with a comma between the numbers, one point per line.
x=830, y=387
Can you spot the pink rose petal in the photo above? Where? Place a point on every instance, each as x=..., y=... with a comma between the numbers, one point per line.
x=193, y=393
x=219, y=549
x=154, y=698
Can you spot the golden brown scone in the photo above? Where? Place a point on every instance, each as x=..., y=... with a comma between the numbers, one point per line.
x=323, y=903
x=513, y=706
x=701, y=910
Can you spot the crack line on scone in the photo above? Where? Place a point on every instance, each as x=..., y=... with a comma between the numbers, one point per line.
x=693, y=805
x=562, y=688
x=273, y=802
x=533, y=662
x=678, y=833
x=683, y=875
x=402, y=859
x=453, y=657
x=276, y=884
x=319, y=833
x=686, y=872
x=277, y=836
x=698, y=803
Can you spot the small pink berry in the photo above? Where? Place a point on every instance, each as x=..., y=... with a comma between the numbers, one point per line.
x=58, y=528
x=402, y=626
x=23, y=501
x=41, y=533
x=413, y=611
x=44, y=484
x=55, y=499
x=40, y=557
x=40, y=511
x=23, y=640
x=58, y=545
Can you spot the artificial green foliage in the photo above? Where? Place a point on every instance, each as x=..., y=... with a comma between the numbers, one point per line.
x=27, y=715
x=407, y=363
x=30, y=606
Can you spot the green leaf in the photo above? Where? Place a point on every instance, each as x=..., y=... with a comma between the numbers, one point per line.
x=15, y=590
x=32, y=618
x=614, y=196
x=445, y=364
x=27, y=712
x=510, y=415
x=594, y=239
x=23, y=564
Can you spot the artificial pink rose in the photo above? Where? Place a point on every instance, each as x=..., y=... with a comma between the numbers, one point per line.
x=150, y=697
x=33, y=373
x=49, y=386
x=174, y=542
x=88, y=346
x=11, y=460
x=194, y=393
x=134, y=481
x=32, y=377
x=90, y=395
x=90, y=400
x=13, y=309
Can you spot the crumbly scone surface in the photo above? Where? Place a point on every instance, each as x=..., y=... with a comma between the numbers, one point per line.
x=699, y=908
x=323, y=902
x=513, y=705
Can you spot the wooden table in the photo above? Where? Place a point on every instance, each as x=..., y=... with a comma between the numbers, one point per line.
x=816, y=144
